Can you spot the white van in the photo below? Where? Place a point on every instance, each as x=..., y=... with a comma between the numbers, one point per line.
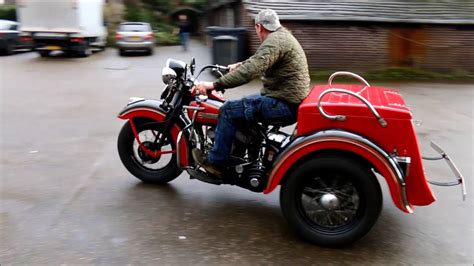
x=72, y=26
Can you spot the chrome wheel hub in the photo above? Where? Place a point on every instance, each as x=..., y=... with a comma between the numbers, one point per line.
x=329, y=201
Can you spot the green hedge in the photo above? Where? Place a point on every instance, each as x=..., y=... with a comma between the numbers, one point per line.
x=166, y=38
x=166, y=32
x=8, y=13
x=134, y=13
x=111, y=37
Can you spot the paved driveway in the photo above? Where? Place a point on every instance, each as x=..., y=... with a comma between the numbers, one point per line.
x=66, y=198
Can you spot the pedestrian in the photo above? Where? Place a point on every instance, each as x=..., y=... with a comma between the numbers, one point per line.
x=184, y=31
x=281, y=63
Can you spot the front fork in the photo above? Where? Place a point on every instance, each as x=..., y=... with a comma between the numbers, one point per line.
x=190, y=127
x=159, y=141
x=156, y=153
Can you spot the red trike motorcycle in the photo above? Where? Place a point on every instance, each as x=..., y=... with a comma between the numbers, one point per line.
x=344, y=136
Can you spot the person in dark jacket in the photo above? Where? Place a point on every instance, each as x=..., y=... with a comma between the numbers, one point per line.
x=281, y=64
x=184, y=31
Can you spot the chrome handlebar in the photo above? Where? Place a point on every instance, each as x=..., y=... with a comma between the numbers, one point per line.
x=218, y=68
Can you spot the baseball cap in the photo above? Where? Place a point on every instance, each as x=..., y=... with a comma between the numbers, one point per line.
x=268, y=18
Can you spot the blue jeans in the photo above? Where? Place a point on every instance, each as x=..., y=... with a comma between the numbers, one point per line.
x=248, y=110
x=184, y=36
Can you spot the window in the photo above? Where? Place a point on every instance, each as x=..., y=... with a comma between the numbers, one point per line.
x=135, y=27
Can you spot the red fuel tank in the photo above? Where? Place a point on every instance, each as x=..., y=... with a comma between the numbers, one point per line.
x=209, y=115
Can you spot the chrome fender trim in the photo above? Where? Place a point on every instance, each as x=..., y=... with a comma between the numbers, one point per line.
x=352, y=138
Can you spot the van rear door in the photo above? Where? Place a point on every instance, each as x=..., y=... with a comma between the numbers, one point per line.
x=55, y=16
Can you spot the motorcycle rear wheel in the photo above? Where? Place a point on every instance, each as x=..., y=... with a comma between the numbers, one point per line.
x=331, y=201
x=144, y=167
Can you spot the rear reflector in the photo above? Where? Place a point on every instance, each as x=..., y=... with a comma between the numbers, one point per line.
x=78, y=40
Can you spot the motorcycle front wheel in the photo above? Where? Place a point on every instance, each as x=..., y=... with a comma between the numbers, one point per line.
x=135, y=155
x=331, y=200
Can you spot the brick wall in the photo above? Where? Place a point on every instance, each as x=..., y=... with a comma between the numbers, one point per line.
x=364, y=46
x=341, y=47
x=448, y=48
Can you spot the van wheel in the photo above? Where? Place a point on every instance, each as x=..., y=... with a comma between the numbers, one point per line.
x=9, y=48
x=331, y=201
x=87, y=51
x=121, y=52
x=44, y=53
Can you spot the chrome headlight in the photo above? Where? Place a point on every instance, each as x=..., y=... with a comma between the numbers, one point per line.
x=168, y=74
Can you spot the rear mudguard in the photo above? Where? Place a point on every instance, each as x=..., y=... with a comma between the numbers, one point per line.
x=347, y=143
x=151, y=109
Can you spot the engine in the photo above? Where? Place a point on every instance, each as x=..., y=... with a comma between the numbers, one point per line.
x=253, y=154
x=252, y=177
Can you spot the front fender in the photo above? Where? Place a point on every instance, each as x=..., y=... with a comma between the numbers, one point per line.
x=338, y=140
x=139, y=104
x=151, y=109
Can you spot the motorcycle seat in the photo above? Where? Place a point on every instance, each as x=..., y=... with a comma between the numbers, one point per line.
x=278, y=123
x=281, y=123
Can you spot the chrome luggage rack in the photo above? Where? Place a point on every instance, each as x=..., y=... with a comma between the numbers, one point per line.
x=380, y=119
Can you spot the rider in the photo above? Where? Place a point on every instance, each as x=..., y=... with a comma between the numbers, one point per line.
x=281, y=64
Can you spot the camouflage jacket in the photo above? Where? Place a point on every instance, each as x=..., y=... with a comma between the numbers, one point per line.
x=281, y=64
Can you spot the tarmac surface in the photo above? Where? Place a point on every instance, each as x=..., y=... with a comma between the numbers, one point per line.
x=66, y=198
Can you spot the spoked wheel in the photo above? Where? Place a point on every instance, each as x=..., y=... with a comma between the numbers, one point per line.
x=145, y=158
x=331, y=201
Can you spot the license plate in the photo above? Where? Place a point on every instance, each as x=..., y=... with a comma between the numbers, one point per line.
x=53, y=47
x=135, y=38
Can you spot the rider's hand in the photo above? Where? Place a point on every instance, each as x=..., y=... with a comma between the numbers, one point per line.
x=204, y=86
x=232, y=67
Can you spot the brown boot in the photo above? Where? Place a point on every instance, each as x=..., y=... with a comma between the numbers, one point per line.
x=199, y=157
